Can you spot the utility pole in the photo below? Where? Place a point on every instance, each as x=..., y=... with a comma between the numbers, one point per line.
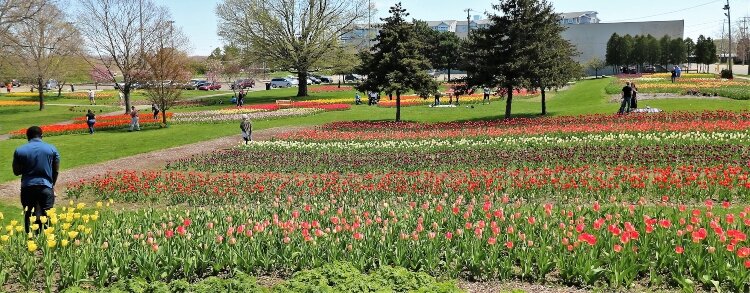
x=369, y=24
x=468, y=21
x=729, y=19
x=722, y=52
x=745, y=35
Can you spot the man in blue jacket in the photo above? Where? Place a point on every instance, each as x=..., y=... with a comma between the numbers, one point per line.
x=38, y=163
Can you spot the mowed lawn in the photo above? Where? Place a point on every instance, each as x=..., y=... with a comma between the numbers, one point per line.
x=586, y=97
x=19, y=117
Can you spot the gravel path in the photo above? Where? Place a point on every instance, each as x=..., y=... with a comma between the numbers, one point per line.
x=151, y=160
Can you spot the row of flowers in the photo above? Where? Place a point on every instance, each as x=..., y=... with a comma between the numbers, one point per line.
x=323, y=160
x=102, y=123
x=631, y=139
x=253, y=114
x=388, y=133
x=560, y=182
x=6, y=103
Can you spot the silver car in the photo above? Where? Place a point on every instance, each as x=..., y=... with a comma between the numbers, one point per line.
x=280, y=83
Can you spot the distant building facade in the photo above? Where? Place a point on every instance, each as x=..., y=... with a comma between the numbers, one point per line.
x=583, y=17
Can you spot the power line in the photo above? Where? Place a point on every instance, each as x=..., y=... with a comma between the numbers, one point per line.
x=665, y=13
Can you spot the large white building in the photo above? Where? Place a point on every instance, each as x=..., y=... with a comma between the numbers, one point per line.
x=583, y=29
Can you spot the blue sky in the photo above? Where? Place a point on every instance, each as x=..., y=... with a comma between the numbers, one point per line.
x=198, y=20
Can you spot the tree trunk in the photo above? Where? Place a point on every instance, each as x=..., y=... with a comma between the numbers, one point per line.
x=96, y=85
x=544, y=102
x=59, y=91
x=164, y=117
x=126, y=97
x=508, y=102
x=302, y=87
x=398, y=105
x=41, y=93
x=449, y=74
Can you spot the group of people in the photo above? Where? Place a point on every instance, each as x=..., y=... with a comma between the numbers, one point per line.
x=629, y=98
x=134, y=118
x=676, y=72
x=239, y=100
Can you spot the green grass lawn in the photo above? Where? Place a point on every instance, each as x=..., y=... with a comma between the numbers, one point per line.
x=586, y=97
x=19, y=117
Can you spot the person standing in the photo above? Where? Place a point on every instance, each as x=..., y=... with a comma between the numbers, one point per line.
x=438, y=94
x=241, y=100
x=357, y=99
x=633, y=100
x=247, y=128
x=674, y=73
x=155, y=109
x=38, y=163
x=92, y=97
x=122, y=97
x=627, y=94
x=486, y=95
x=134, y=119
x=90, y=121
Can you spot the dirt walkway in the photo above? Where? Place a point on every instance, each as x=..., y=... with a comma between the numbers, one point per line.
x=151, y=160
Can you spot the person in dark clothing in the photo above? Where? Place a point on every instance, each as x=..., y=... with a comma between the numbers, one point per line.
x=674, y=75
x=633, y=100
x=38, y=163
x=90, y=121
x=155, y=109
x=627, y=94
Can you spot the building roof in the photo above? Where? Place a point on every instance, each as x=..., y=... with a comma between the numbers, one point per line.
x=437, y=23
x=567, y=15
x=478, y=22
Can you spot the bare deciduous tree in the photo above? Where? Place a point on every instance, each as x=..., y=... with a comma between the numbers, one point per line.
x=119, y=33
x=294, y=35
x=167, y=69
x=44, y=46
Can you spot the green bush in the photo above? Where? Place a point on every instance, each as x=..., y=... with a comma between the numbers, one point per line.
x=725, y=73
x=333, y=277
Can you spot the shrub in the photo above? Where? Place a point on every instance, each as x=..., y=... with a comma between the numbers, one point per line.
x=725, y=73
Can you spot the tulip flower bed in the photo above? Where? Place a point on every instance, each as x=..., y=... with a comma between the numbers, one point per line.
x=737, y=89
x=17, y=103
x=637, y=123
x=102, y=122
x=488, y=236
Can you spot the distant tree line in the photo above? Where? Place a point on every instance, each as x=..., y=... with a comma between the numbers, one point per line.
x=641, y=50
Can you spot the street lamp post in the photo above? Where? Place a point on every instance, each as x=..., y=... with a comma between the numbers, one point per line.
x=729, y=18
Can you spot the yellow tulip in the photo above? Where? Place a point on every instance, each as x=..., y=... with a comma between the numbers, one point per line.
x=66, y=226
x=49, y=231
x=70, y=203
x=64, y=243
x=34, y=227
x=77, y=216
x=81, y=228
x=88, y=231
x=19, y=229
x=98, y=205
x=86, y=218
x=31, y=246
x=51, y=243
x=43, y=219
x=94, y=217
x=1, y=216
x=13, y=222
x=80, y=205
x=9, y=228
x=72, y=234
x=53, y=221
x=4, y=238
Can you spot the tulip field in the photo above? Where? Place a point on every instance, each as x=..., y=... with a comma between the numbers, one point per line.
x=595, y=202
x=690, y=83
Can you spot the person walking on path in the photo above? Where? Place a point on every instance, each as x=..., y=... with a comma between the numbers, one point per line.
x=486, y=95
x=155, y=109
x=247, y=128
x=90, y=121
x=92, y=97
x=134, y=119
x=627, y=94
x=38, y=163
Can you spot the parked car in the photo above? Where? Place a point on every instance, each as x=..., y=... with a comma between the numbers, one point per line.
x=324, y=79
x=51, y=84
x=314, y=79
x=280, y=83
x=243, y=84
x=15, y=83
x=210, y=86
x=352, y=77
x=188, y=86
x=649, y=69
